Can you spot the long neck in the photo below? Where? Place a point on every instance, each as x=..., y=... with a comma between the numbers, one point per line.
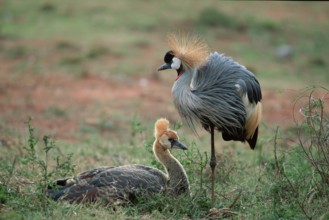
x=182, y=82
x=178, y=181
x=181, y=90
x=184, y=99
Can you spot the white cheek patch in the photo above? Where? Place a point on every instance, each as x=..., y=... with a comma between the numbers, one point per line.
x=176, y=63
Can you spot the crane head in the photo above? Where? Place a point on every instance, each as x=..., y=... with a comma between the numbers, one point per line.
x=186, y=52
x=166, y=137
x=169, y=140
x=171, y=62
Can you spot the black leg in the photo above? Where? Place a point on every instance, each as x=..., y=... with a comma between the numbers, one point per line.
x=212, y=165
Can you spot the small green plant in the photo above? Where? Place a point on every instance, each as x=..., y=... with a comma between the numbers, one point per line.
x=302, y=180
x=5, y=178
x=36, y=172
x=137, y=127
x=196, y=162
x=314, y=137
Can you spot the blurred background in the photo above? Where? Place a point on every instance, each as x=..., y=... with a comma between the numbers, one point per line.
x=91, y=66
x=86, y=71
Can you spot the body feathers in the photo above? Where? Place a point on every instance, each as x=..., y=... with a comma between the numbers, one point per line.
x=110, y=184
x=116, y=185
x=220, y=93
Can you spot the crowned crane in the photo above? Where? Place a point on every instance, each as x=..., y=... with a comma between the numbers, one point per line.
x=215, y=91
x=123, y=184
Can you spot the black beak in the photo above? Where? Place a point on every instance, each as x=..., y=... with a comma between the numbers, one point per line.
x=178, y=145
x=164, y=67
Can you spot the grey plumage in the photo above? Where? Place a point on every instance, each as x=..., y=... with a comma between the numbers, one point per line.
x=209, y=95
x=214, y=91
x=117, y=185
x=110, y=184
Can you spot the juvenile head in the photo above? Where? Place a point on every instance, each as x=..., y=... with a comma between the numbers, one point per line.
x=186, y=52
x=167, y=138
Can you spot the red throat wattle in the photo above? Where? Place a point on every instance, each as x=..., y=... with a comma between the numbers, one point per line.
x=179, y=73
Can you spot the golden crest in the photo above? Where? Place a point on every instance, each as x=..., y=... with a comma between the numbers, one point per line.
x=161, y=125
x=190, y=49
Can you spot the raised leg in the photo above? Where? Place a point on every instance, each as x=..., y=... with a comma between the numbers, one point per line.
x=212, y=166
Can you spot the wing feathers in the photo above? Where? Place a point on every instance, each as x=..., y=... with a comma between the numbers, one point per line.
x=112, y=184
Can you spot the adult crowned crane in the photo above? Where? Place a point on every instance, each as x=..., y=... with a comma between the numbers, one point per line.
x=118, y=185
x=214, y=91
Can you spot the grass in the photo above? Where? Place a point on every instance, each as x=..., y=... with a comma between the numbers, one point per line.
x=285, y=183
x=123, y=41
x=125, y=37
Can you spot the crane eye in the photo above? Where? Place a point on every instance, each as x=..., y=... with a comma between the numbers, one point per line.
x=169, y=56
x=170, y=139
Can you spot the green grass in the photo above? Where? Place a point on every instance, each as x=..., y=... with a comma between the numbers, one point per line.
x=254, y=184
x=123, y=41
x=121, y=32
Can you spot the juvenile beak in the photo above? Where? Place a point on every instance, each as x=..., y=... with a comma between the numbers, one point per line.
x=164, y=67
x=178, y=145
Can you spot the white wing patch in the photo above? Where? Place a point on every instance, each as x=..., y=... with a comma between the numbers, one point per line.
x=254, y=115
x=192, y=84
x=250, y=107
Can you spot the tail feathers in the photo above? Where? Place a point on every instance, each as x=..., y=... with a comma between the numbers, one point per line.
x=227, y=136
x=253, y=140
x=86, y=193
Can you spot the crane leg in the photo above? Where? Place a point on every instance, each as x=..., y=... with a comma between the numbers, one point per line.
x=212, y=166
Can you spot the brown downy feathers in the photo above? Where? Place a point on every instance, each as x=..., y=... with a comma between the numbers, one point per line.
x=161, y=125
x=190, y=49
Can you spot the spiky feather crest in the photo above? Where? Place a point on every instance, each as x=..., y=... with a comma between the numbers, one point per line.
x=190, y=49
x=161, y=125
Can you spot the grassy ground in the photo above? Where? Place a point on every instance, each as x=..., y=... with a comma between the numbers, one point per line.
x=85, y=72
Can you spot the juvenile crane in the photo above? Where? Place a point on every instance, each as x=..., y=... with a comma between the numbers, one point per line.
x=214, y=91
x=119, y=185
